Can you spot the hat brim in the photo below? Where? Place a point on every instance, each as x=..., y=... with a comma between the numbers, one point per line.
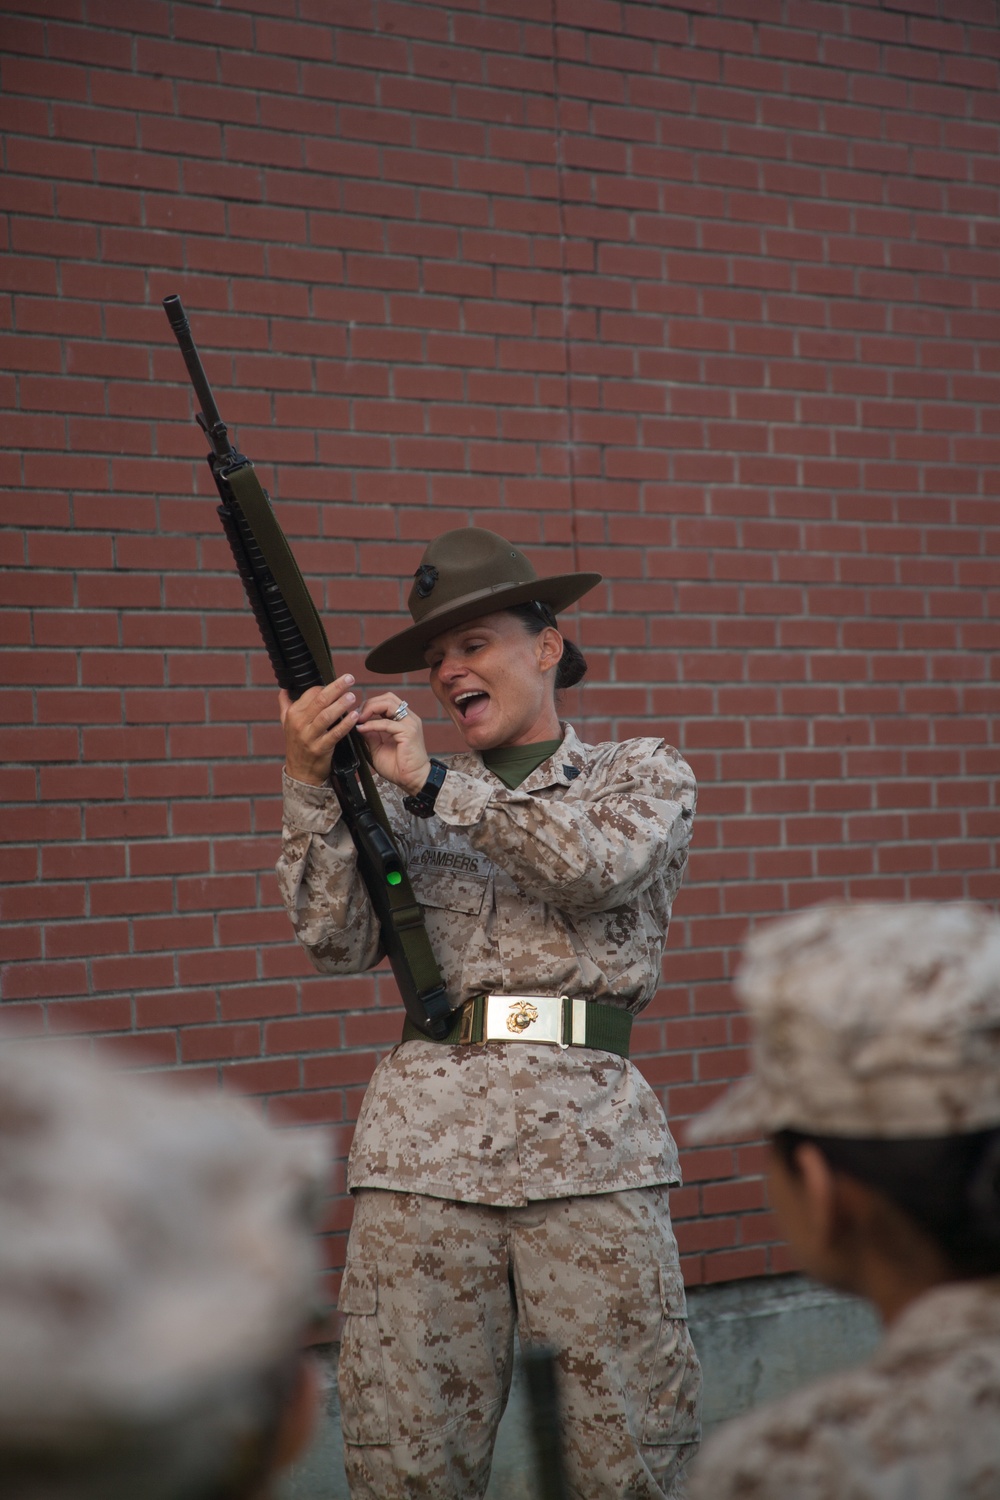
x=404, y=652
x=749, y=1111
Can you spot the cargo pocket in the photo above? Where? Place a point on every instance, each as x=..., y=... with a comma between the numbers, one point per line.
x=364, y=1413
x=673, y=1402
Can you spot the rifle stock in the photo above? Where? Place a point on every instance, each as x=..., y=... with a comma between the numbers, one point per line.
x=296, y=643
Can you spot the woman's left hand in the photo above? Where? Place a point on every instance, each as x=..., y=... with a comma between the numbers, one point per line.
x=397, y=745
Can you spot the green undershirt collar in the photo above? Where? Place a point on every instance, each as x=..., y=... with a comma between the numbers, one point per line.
x=515, y=763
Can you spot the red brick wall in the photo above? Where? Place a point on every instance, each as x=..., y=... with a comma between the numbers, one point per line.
x=705, y=295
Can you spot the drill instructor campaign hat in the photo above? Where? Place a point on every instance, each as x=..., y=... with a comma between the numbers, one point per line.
x=465, y=574
x=874, y=1019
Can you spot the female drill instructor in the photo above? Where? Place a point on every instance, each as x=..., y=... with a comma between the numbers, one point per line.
x=519, y=1171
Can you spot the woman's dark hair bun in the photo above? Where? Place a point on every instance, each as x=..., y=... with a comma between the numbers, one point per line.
x=535, y=616
x=572, y=667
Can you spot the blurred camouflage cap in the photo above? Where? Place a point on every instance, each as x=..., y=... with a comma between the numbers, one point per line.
x=869, y=1019
x=158, y=1247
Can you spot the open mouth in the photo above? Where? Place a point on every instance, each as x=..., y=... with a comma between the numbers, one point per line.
x=471, y=705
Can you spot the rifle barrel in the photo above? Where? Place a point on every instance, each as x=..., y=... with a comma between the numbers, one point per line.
x=174, y=308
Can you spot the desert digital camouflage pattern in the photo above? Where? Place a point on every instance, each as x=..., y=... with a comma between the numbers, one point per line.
x=596, y=1278
x=919, y=1421
x=158, y=1263
x=869, y=1019
x=563, y=886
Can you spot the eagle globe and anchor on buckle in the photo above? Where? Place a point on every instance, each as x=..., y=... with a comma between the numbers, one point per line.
x=521, y=1015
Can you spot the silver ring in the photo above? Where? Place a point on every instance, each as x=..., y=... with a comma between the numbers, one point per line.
x=401, y=711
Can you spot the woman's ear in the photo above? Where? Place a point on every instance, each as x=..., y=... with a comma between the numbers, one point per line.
x=819, y=1195
x=843, y=1215
x=549, y=646
x=803, y=1195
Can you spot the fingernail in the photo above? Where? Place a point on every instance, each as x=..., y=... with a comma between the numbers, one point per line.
x=348, y=678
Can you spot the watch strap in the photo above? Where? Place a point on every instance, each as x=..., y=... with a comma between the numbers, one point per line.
x=421, y=804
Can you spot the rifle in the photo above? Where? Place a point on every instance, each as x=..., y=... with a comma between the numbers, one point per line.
x=539, y=1364
x=296, y=642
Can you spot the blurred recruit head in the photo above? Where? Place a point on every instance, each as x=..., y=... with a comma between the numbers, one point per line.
x=158, y=1271
x=876, y=1076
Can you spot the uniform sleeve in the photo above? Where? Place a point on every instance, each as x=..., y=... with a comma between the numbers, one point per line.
x=719, y=1474
x=804, y=1447
x=594, y=849
x=318, y=877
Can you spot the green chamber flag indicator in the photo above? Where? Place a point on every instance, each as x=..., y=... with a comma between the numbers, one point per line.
x=394, y=877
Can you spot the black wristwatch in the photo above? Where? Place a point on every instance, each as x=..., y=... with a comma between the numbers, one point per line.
x=422, y=804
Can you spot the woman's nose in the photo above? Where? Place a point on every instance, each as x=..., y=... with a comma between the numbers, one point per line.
x=448, y=668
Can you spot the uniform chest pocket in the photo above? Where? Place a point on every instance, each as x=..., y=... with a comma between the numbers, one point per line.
x=450, y=890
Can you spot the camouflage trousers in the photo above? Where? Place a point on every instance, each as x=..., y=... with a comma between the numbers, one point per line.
x=431, y=1295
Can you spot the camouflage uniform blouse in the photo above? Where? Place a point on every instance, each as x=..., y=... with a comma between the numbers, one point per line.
x=563, y=886
x=919, y=1421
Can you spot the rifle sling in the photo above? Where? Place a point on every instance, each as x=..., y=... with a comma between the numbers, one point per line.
x=405, y=915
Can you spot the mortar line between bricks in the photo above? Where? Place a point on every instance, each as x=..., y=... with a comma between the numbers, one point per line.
x=566, y=299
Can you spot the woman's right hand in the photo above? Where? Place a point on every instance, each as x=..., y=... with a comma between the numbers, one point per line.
x=313, y=724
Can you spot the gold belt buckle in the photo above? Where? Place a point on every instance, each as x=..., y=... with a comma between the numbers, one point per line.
x=524, y=1018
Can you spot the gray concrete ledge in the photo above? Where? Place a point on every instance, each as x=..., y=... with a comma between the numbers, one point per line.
x=762, y=1338
x=757, y=1340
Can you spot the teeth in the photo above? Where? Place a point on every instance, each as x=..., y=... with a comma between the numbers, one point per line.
x=464, y=697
